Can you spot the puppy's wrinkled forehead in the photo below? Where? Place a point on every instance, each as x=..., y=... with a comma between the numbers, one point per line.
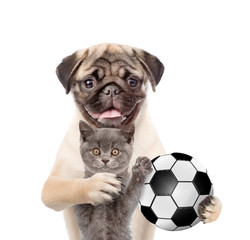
x=109, y=60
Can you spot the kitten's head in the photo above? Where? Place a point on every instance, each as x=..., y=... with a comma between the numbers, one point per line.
x=106, y=149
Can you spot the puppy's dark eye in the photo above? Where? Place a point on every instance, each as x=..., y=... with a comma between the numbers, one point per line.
x=133, y=82
x=89, y=83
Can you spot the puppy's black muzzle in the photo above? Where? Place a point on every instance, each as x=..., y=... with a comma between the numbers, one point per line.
x=111, y=90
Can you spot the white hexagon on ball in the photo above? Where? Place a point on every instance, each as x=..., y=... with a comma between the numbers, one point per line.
x=165, y=162
x=199, y=200
x=164, y=206
x=184, y=171
x=198, y=165
x=189, y=191
x=182, y=228
x=147, y=195
x=197, y=220
x=166, y=224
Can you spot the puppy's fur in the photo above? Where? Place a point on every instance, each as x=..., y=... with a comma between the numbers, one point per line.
x=109, y=84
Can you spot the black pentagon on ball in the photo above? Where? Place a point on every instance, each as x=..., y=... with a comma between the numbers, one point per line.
x=202, y=183
x=163, y=183
x=184, y=216
x=149, y=214
x=182, y=156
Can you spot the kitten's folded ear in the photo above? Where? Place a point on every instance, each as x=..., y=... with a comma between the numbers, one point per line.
x=85, y=130
x=128, y=132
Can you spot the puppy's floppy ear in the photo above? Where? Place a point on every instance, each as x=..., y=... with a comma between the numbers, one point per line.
x=85, y=130
x=67, y=68
x=128, y=132
x=152, y=65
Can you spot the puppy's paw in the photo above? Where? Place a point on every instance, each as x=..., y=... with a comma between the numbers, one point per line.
x=103, y=188
x=142, y=168
x=209, y=209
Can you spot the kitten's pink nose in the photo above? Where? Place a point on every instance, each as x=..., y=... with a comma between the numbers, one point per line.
x=105, y=160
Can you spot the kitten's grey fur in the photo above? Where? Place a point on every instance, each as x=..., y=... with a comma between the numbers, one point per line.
x=110, y=221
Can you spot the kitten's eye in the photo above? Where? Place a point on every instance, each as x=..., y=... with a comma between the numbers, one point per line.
x=115, y=152
x=96, y=151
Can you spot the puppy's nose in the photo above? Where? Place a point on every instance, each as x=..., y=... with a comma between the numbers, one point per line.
x=105, y=161
x=111, y=90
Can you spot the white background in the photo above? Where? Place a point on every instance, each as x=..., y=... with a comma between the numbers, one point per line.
x=201, y=106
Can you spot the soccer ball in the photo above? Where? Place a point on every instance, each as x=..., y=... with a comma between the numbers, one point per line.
x=172, y=192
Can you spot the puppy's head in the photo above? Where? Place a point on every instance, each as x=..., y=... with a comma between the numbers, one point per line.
x=108, y=82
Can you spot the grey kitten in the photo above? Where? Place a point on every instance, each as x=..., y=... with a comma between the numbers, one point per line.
x=110, y=150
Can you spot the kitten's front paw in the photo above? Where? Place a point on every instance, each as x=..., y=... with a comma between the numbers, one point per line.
x=103, y=188
x=209, y=209
x=142, y=168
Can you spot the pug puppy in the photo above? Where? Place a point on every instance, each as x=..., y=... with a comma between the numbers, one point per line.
x=109, y=84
